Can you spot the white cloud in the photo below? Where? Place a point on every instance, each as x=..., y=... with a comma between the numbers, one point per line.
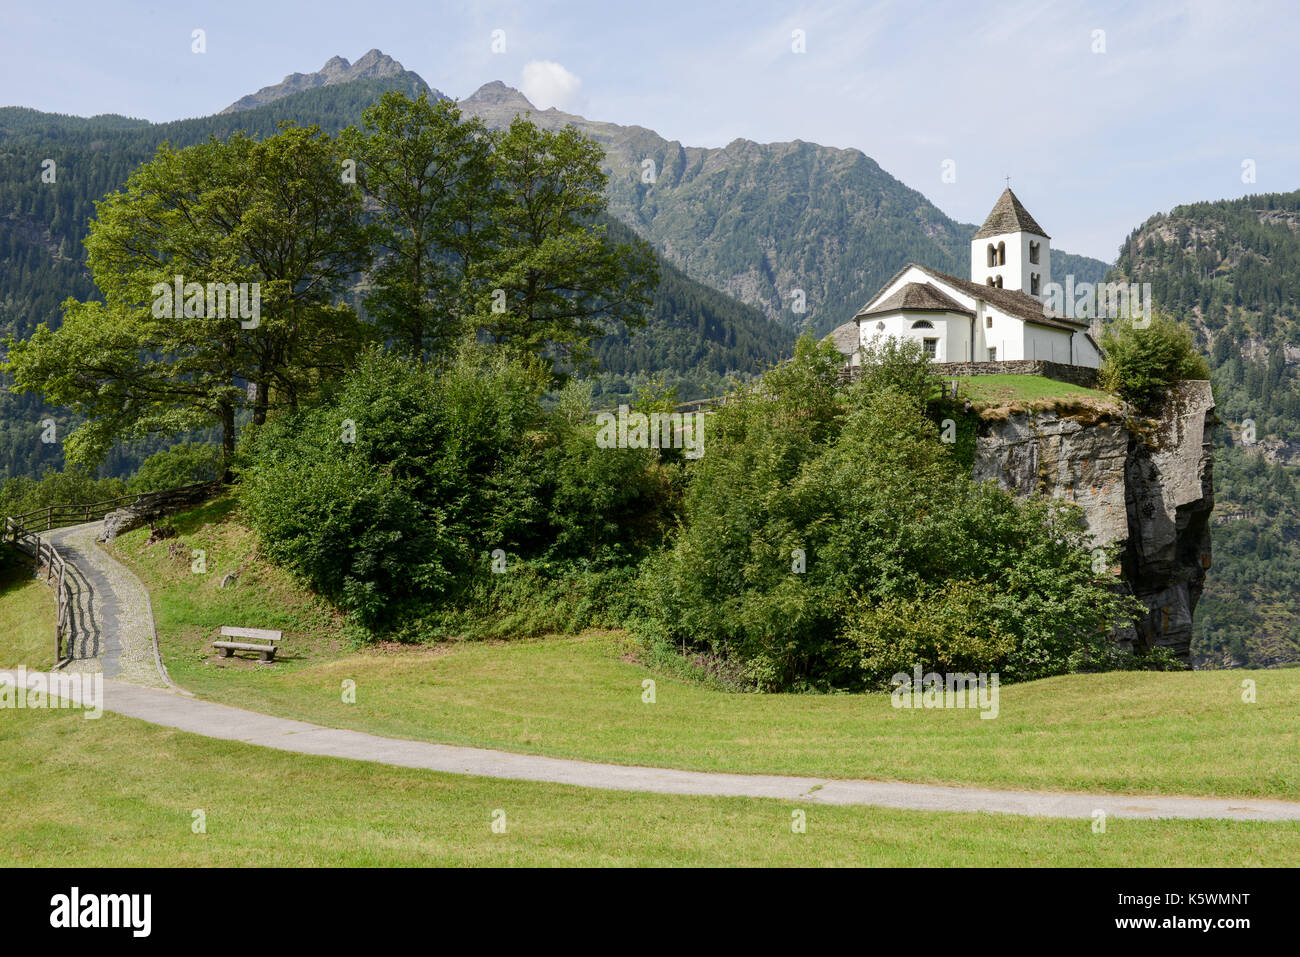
x=548, y=84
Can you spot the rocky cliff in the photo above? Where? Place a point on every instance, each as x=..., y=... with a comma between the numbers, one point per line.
x=1148, y=483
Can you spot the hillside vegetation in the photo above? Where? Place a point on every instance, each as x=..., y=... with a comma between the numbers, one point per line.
x=1133, y=732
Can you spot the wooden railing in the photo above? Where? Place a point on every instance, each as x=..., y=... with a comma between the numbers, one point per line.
x=23, y=531
x=694, y=405
x=45, y=552
x=59, y=516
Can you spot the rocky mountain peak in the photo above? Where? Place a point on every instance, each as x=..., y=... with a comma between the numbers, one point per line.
x=374, y=63
x=497, y=94
x=337, y=69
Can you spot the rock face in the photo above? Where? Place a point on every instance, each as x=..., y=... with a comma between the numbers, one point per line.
x=1148, y=484
x=148, y=508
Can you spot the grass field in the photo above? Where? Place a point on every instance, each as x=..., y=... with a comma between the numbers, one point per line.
x=27, y=614
x=999, y=390
x=581, y=697
x=123, y=793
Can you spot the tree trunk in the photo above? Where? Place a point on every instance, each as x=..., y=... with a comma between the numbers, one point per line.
x=227, y=440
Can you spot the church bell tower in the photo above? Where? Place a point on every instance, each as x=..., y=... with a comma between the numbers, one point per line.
x=1011, y=251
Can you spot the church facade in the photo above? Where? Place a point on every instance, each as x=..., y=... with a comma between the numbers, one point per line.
x=997, y=315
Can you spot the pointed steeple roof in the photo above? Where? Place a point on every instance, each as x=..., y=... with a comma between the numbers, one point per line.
x=1009, y=216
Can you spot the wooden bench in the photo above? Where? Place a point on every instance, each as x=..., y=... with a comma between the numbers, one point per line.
x=266, y=650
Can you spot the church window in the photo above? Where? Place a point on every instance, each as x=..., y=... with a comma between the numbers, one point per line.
x=1002, y=254
x=997, y=281
x=931, y=347
x=993, y=353
x=988, y=322
x=1033, y=252
x=880, y=326
x=993, y=255
x=923, y=324
x=1033, y=284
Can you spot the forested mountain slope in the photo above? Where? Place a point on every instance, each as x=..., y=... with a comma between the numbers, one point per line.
x=694, y=335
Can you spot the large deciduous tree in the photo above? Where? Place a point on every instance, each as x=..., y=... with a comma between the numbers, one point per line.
x=554, y=279
x=275, y=213
x=428, y=176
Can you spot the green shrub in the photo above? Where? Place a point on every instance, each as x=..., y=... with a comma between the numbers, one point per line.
x=906, y=560
x=447, y=466
x=532, y=598
x=901, y=365
x=1141, y=365
x=952, y=629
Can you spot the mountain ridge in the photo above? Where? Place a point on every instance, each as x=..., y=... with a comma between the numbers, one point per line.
x=374, y=64
x=882, y=223
x=694, y=336
x=779, y=226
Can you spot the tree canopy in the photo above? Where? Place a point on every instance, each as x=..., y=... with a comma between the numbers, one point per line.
x=267, y=225
x=496, y=236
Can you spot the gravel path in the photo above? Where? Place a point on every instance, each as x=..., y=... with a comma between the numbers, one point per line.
x=111, y=608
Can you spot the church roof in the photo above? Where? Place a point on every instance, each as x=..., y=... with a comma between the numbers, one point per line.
x=919, y=296
x=845, y=337
x=1009, y=216
x=1011, y=301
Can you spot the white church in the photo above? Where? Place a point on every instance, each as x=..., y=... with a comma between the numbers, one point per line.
x=995, y=316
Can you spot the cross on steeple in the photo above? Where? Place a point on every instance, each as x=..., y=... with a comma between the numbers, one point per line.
x=1008, y=179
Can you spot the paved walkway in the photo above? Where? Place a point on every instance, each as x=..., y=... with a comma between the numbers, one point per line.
x=111, y=609
x=234, y=724
x=119, y=605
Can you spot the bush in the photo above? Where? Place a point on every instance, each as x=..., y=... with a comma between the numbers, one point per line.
x=446, y=467
x=906, y=561
x=183, y=464
x=901, y=365
x=1141, y=365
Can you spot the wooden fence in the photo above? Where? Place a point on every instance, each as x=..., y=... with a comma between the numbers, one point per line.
x=23, y=532
x=695, y=405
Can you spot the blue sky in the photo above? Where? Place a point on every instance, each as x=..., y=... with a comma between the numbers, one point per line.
x=1094, y=142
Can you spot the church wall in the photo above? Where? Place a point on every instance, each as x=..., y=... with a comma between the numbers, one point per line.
x=1006, y=335
x=950, y=329
x=1044, y=343
x=910, y=275
x=1085, y=353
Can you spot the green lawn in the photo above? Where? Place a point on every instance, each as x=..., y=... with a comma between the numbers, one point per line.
x=119, y=792
x=1025, y=389
x=27, y=614
x=581, y=697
